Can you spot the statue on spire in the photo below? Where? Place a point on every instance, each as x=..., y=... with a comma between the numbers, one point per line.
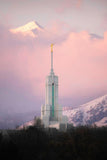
x=52, y=47
x=52, y=58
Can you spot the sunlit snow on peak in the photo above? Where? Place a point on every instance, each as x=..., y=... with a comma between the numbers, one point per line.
x=27, y=29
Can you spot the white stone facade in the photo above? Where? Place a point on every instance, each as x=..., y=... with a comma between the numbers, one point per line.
x=51, y=112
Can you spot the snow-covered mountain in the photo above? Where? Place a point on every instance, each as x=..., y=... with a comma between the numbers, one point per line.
x=30, y=29
x=94, y=112
x=25, y=125
x=90, y=113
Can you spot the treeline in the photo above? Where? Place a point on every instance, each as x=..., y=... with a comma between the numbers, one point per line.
x=36, y=143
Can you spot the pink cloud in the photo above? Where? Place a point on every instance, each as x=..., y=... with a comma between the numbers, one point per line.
x=83, y=63
x=79, y=61
x=58, y=28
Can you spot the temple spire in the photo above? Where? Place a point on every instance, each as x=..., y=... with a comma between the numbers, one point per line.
x=51, y=58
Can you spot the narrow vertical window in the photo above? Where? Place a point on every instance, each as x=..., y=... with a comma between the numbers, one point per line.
x=53, y=99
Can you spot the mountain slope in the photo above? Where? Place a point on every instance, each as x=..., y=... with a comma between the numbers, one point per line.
x=94, y=112
x=12, y=121
x=29, y=29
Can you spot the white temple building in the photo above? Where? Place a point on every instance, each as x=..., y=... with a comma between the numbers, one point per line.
x=51, y=112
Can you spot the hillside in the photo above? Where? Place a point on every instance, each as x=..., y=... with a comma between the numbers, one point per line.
x=93, y=112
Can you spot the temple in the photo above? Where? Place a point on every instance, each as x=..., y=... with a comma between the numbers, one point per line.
x=51, y=112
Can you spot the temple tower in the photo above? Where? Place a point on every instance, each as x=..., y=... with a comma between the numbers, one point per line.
x=51, y=112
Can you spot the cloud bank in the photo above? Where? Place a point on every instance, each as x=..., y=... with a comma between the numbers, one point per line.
x=79, y=60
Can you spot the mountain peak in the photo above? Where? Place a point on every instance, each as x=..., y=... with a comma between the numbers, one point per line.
x=28, y=29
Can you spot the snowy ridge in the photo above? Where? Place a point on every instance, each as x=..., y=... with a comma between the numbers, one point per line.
x=102, y=122
x=27, y=124
x=93, y=112
x=29, y=29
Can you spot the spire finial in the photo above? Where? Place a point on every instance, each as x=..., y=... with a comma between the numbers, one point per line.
x=52, y=58
x=52, y=47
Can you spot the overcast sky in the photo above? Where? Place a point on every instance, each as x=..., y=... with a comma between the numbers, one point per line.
x=79, y=30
